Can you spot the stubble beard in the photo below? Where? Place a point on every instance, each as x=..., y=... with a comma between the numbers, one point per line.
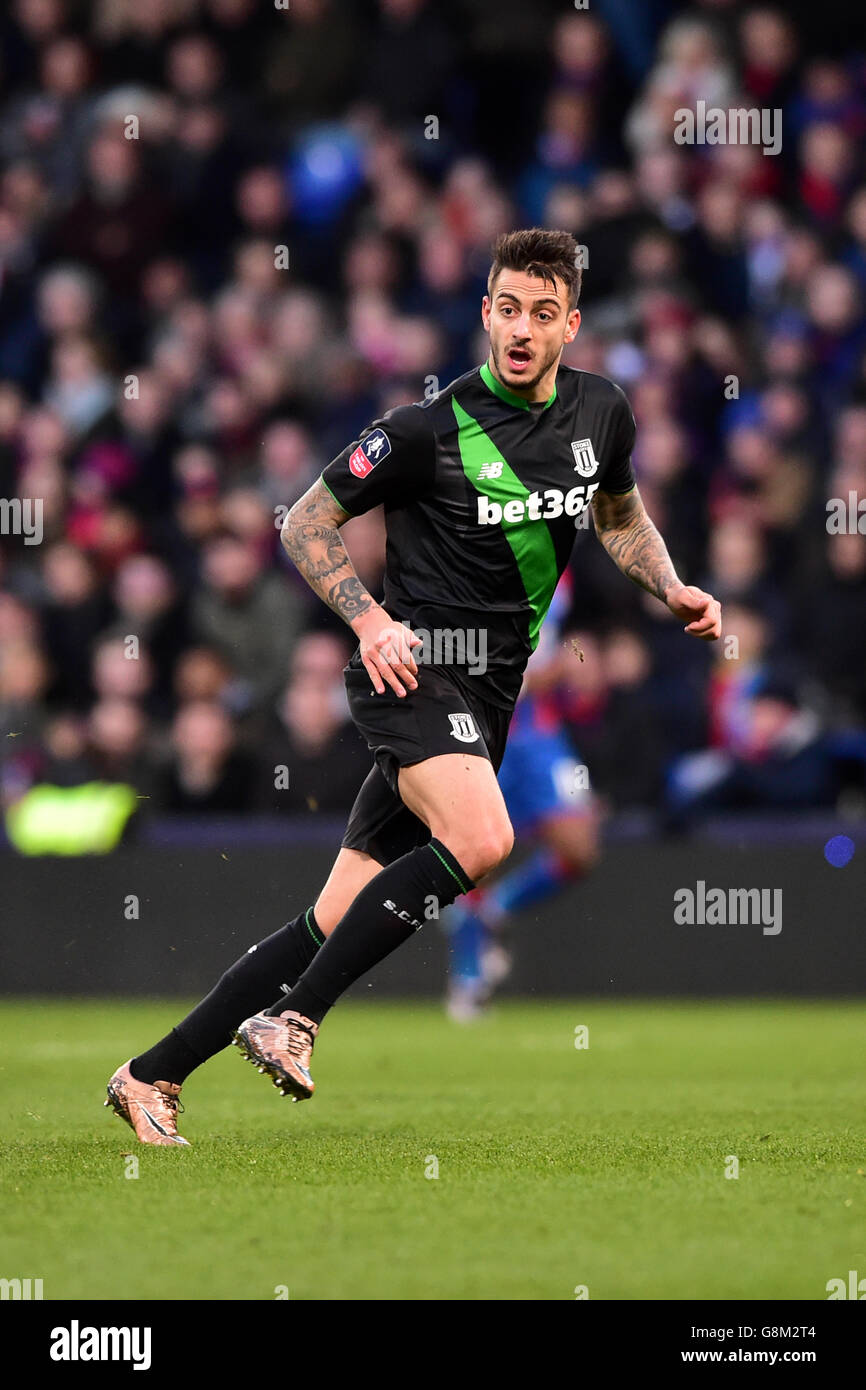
x=521, y=385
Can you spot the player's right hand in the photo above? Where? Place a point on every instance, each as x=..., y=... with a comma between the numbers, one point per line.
x=386, y=651
x=700, y=611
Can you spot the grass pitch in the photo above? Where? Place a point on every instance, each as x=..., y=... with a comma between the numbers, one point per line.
x=558, y=1166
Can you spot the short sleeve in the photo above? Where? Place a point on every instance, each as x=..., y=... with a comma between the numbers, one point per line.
x=392, y=462
x=618, y=475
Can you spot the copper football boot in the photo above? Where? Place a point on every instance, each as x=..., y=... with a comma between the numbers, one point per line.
x=280, y=1046
x=151, y=1110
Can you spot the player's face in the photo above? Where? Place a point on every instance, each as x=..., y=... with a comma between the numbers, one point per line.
x=529, y=323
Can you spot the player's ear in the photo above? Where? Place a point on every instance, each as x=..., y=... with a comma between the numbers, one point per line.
x=485, y=313
x=573, y=326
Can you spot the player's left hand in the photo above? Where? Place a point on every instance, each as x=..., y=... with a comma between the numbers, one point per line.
x=701, y=612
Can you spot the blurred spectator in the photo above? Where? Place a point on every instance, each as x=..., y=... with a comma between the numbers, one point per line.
x=786, y=761
x=117, y=745
x=629, y=757
x=312, y=757
x=67, y=763
x=311, y=59
x=147, y=606
x=691, y=66
x=206, y=773
x=833, y=613
x=75, y=610
x=121, y=668
x=247, y=614
x=769, y=49
x=202, y=674
x=117, y=218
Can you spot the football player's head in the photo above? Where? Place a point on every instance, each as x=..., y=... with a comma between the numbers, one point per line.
x=530, y=309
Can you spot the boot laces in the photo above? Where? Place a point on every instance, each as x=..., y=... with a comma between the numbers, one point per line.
x=299, y=1040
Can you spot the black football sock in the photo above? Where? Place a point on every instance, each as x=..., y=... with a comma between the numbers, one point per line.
x=169, y=1060
x=275, y=963
x=385, y=913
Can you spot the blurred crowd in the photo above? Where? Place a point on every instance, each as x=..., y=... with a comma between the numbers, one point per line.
x=232, y=233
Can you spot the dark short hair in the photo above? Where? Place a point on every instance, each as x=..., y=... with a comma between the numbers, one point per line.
x=539, y=251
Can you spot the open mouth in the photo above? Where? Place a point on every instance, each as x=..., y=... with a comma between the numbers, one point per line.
x=518, y=358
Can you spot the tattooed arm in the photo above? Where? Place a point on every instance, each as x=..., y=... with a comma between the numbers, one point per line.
x=311, y=539
x=634, y=544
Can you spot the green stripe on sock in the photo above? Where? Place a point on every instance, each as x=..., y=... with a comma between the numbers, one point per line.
x=444, y=862
x=310, y=929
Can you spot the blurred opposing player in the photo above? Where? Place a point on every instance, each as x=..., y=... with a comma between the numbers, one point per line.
x=549, y=801
x=481, y=486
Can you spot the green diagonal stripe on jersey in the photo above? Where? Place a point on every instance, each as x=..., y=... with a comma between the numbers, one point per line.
x=531, y=542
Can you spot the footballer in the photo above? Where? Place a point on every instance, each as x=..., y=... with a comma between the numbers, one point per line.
x=481, y=487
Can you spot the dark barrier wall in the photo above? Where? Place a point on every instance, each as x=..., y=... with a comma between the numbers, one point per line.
x=65, y=929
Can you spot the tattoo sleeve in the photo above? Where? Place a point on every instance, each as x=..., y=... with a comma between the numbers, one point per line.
x=632, y=542
x=310, y=538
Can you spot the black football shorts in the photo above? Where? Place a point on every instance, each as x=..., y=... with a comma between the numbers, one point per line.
x=443, y=715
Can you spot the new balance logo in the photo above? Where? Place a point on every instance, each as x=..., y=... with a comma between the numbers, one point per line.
x=463, y=728
x=538, y=506
x=490, y=470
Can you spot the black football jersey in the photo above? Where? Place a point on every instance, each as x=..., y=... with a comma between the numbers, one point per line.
x=482, y=491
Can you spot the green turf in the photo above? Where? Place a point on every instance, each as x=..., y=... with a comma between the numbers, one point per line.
x=558, y=1167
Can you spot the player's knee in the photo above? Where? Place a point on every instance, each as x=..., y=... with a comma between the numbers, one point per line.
x=506, y=843
x=482, y=850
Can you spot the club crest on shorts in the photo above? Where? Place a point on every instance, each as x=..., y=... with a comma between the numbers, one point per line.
x=463, y=728
x=371, y=451
x=585, y=461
